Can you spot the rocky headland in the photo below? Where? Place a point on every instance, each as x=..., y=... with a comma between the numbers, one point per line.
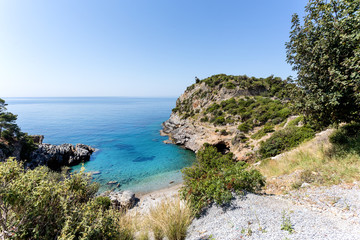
x=44, y=154
x=208, y=112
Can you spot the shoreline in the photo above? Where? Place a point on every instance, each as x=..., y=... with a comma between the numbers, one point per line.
x=165, y=190
x=151, y=199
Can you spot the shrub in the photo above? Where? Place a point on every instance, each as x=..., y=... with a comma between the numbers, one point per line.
x=296, y=121
x=215, y=177
x=219, y=120
x=347, y=139
x=223, y=132
x=263, y=131
x=245, y=127
x=230, y=85
x=41, y=204
x=285, y=139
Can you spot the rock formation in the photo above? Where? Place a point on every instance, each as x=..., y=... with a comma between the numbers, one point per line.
x=191, y=124
x=56, y=156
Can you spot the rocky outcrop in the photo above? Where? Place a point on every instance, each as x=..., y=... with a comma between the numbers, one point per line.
x=192, y=134
x=199, y=116
x=57, y=156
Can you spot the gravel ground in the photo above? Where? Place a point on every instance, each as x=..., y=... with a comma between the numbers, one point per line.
x=313, y=213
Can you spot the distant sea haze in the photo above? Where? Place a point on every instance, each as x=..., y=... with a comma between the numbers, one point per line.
x=125, y=132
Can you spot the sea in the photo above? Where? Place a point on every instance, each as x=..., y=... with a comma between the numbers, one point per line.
x=124, y=131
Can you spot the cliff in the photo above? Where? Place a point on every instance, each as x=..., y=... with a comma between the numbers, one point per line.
x=228, y=112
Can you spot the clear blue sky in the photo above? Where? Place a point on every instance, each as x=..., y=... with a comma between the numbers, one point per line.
x=138, y=47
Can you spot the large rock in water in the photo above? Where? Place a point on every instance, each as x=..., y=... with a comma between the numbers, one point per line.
x=56, y=156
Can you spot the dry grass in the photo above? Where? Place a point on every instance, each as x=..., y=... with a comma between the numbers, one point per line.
x=319, y=164
x=169, y=218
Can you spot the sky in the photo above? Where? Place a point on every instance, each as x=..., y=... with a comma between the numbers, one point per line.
x=138, y=48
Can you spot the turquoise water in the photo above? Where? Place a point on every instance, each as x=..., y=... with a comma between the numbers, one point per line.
x=125, y=132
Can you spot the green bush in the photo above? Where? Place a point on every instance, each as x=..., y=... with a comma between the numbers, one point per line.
x=219, y=120
x=285, y=139
x=245, y=127
x=41, y=204
x=346, y=139
x=263, y=131
x=230, y=85
x=215, y=177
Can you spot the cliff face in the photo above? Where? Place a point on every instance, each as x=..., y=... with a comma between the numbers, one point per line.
x=212, y=110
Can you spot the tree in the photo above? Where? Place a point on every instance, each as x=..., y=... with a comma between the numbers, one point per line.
x=8, y=128
x=325, y=52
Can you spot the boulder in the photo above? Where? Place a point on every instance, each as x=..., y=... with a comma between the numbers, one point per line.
x=122, y=200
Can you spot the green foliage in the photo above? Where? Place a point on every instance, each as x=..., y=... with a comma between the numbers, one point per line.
x=286, y=224
x=284, y=140
x=8, y=128
x=296, y=121
x=347, y=139
x=253, y=112
x=325, y=52
x=266, y=87
x=41, y=204
x=263, y=131
x=28, y=146
x=219, y=120
x=215, y=176
x=245, y=127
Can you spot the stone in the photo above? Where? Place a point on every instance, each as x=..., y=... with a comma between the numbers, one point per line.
x=112, y=182
x=122, y=200
x=305, y=185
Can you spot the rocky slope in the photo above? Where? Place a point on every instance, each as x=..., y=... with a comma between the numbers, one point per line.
x=209, y=111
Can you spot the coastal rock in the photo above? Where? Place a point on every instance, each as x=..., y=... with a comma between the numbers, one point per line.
x=56, y=156
x=122, y=200
x=112, y=182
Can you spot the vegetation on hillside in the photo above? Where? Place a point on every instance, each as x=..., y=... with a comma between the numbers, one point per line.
x=272, y=86
x=332, y=163
x=250, y=112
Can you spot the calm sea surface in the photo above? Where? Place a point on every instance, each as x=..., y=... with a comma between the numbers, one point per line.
x=125, y=132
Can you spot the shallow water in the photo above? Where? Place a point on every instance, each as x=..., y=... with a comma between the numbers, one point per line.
x=125, y=132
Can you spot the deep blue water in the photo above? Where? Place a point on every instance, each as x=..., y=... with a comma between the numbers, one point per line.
x=125, y=132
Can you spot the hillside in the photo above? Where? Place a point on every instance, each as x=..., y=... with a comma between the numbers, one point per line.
x=233, y=113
